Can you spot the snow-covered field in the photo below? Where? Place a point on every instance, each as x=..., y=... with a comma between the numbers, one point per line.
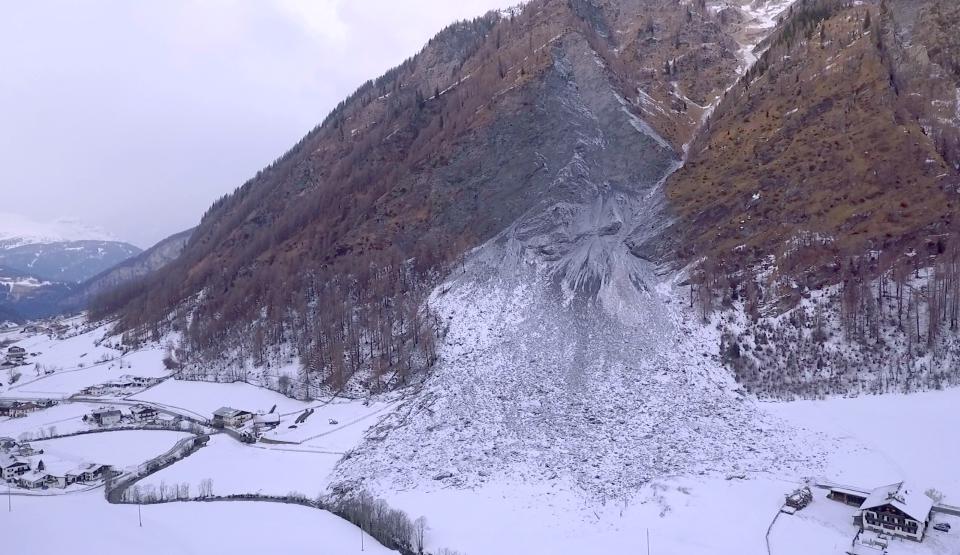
x=251, y=469
x=64, y=418
x=337, y=426
x=202, y=398
x=684, y=516
x=702, y=506
x=76, y=362
x=85, y=524
x=888, y=438
x=63, y=384
x=118, y=449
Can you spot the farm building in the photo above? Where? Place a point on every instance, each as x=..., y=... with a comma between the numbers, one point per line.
x=15, y=409
x=86, y=473
x=32, y=480
x=11, y=468
x=267, y=421
x=108, y=417
x=897, y=510
x=233, y=418
x=16, y=355
x=848, y=496
x=143, y=412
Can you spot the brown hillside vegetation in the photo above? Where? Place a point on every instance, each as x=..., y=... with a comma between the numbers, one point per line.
x=814, y=157
x=331, y=249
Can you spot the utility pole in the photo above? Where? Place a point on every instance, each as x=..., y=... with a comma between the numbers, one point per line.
x=9, y=500
x=648, y=541
x=361, y=538
x=139, y=515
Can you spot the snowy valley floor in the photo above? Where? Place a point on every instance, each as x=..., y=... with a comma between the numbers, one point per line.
x=724, y=511
x=693, y=515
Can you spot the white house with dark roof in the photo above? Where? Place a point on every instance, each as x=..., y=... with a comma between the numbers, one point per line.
x=897, y=510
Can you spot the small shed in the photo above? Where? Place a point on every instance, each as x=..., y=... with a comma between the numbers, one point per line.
x=849, y=496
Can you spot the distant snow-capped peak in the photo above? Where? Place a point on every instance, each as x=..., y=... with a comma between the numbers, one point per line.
x=17, y=230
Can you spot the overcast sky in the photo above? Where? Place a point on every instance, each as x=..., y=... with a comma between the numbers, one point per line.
x=135, y=115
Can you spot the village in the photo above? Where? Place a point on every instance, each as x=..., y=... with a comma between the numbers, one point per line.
x=79, y=429
x=22, y=466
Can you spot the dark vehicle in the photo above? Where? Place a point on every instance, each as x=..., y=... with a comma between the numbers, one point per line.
x=942, y=526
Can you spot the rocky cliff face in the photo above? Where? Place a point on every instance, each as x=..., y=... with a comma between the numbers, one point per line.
x=493, y=128
x=564, y=357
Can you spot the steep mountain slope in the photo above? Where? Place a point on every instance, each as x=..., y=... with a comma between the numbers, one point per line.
x=818, y=208
x=371, y=208
x=815, y=156
x=563, y=357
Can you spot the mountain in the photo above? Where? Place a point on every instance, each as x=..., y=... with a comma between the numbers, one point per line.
x=26, y=297
x=66, y=262
x=436, y=157
x=62, y=251
x=822, y=152
x=17, y=230
x=568, y=247
x=129, y=272
x=578, y=234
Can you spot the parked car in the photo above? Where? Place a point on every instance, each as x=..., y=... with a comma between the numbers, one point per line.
x=942, y=526
x=333, y=422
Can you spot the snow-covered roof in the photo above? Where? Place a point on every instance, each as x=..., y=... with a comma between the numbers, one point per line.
x=227, y=412
x=849, y=491
x=7, y=461
x=270, y=418
x=87, y=467
x=913, y=503
x=57, y=468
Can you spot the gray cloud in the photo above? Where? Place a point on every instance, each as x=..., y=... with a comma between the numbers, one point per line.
x=135, y=116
